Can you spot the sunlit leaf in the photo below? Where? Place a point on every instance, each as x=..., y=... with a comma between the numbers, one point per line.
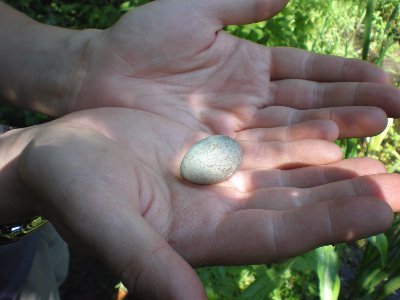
x=328, y=273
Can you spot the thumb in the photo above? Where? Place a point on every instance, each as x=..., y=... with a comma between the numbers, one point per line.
x=86, y=186
x=235, y=12
x=149, y=267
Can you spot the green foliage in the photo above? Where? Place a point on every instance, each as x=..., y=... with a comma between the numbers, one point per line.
x=320, y=26
x=76, y=14
x=379, y=273
x=381, y=244
x=369, y=18
x=375, y=143
x=277, y=281
x=314, y=275
x=20, y=118
x=328, y=273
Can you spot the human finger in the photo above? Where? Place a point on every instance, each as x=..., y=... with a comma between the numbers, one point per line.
x=303, y=94
x=148, y=265
x=306, y=177
x=291, y=63
x=271, y=155
x=260, y=236
x=382, y=186
x=313, y=129
x=354, y=121
x=237, y=12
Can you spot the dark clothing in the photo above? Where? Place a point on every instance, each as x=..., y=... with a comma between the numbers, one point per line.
x=15, y=264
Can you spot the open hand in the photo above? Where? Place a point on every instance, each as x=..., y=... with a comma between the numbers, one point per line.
x=172, y=58
x=108, y=179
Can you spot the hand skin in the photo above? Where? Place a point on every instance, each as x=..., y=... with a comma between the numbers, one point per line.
x=172, y=58
x=108, y=179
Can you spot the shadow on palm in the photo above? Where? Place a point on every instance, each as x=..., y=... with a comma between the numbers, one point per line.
x=173, y=59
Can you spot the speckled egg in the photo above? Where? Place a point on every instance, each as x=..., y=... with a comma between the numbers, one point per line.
x=211, y=160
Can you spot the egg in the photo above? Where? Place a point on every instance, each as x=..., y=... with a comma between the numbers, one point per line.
x=211, y=160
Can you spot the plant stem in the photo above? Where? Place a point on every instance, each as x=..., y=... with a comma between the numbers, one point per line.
x=369, y=17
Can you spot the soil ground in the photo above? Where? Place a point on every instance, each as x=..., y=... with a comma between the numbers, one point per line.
x=87, y=279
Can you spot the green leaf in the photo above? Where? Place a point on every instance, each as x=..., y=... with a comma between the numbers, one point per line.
x=376, y=141
x=306, y=263
x=371, y=280
x=392, y=286
x=267, y=281
x=327, y=271
x=260, y=288
x=381, y=243
x=352, y=147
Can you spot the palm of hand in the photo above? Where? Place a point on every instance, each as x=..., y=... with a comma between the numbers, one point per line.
x=195, y=218
x=164, y=68
x=172, y=59
x=188, y=215
x=122, y=198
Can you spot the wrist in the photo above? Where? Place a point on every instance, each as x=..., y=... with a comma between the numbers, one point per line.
x=81, y=45
x=41, y=65
x=16, y=203
x=14, y=232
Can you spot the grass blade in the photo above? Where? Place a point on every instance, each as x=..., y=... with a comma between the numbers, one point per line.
x=327, y=271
